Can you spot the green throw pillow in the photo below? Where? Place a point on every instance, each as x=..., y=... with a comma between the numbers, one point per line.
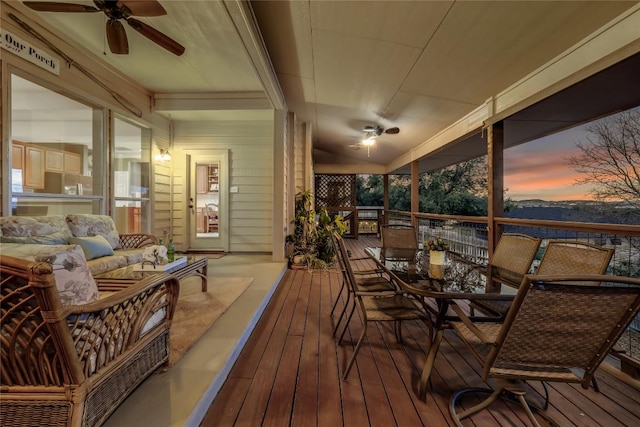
x=93, y=246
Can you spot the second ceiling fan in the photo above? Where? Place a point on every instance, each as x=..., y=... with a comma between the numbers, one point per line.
x=378, y=130
x=371, y=133
x=117, y=10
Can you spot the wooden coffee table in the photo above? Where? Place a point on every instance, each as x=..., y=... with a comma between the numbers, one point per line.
x=114, y=280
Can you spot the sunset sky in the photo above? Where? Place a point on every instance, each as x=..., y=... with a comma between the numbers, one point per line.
x=540, y=170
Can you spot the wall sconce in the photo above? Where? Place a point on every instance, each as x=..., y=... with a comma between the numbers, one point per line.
x=164, y=155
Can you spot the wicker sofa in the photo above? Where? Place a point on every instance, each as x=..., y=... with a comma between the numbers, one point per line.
x=72, y=365
x=125, y=249
x=71, y=351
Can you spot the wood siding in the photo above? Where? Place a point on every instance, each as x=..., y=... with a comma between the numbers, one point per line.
x=161, y=184
x=250, y=145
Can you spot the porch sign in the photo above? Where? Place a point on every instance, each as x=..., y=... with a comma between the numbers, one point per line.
x=32, y=54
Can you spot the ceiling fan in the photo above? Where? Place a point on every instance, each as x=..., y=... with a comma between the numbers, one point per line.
x=378, y=130
x=371, y=133
x=116, y=10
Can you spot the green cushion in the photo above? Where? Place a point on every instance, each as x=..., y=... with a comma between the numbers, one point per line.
x=93, y=246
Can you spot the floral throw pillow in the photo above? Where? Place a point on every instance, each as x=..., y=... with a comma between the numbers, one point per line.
x=83, y=225
x=74, y=282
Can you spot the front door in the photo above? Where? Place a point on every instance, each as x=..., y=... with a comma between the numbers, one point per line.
x=208, y=196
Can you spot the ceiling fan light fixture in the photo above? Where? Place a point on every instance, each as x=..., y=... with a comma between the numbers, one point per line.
x=369, y=141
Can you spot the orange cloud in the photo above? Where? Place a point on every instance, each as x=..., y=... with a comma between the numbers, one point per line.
x=541, y=170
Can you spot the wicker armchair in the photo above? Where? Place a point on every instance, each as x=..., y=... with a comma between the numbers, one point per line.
x=559, y=328
x=73, y=365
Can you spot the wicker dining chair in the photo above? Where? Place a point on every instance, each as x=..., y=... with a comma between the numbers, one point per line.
x=399, y=236
x=563, y=257
x=558, y=329
x=566, y=257
x=371, y=279
x=511, y=260
x=376, y=307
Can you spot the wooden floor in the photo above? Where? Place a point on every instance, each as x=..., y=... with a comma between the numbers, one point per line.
x=289, y=373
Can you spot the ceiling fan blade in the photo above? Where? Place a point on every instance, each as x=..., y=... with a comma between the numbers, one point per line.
x=45, y=6
x=117, y=37
x=143, y=7
x=392, y=131
x=156, y=36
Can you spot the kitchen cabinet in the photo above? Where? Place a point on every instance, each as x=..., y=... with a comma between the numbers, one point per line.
x=72, y=163
x=207, y=179
x=201, y=221
x=17, y=156
x=33, y=176
x=53, y=161
x=62, y=161
x=201, y=179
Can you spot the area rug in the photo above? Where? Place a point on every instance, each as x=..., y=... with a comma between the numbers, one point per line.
x=210, y=255
x=196, y=311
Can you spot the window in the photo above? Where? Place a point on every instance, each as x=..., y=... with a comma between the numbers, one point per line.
x=56, y=152
x=131, y=161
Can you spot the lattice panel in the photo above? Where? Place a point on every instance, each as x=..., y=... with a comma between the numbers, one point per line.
x=335, y=191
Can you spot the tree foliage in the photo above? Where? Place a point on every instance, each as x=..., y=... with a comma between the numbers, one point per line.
x=609, y=159
x=460, y=189
x=369, y=190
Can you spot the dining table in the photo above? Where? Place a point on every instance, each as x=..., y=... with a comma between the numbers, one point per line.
x=462, y=281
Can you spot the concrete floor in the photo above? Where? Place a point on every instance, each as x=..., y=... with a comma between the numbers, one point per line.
x=182, y=395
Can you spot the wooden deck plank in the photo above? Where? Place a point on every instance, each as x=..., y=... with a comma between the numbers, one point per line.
x=290, y=372
x=225, y=408
x=284, y=391
x=329, y=395
x=306, y=398
x=248, y=361
x=252, y=413
x=379, y=411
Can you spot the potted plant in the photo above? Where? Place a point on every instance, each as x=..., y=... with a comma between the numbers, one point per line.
x=437, y=256
x=309, y=246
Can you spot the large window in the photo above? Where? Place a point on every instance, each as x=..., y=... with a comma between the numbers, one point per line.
x=131, y=160
x=56, y=152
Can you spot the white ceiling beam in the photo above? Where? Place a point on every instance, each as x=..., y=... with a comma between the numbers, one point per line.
x=211, y=101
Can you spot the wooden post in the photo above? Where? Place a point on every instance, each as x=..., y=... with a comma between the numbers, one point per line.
x=385, y=186
x=415, y=190
x=495, y=159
